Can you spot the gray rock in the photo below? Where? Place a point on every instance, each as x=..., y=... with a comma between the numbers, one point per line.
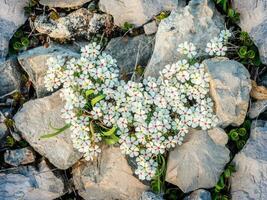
x=10, y=77
x=64, y=27
x=218, y=136
x=136, y=12
x=19, y=156
x=253, y=19
x=93, y=6
x=198, y=163
x=256, y=108
x=259, y=35
x=150, y=28
x=199, y=195
x=78, y=23
x=11, y=18
x=150, y=196
x=131, y=51
x=262, y=80
x=35, y=119
x=230, y=86
x=250, y=179
x=15, y=135
x=184, y=24
x=97, y=22
x=108, y=177
x=182, y=3
x=63, y=3
x=34, y=63
x=3, y=130
x=30, y=183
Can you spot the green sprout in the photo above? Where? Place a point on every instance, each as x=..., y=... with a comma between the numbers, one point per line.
x=162, y=15
x=127, y=26
x=222, y=187
x=240, y=135
x=158, y=182
x=230, y=13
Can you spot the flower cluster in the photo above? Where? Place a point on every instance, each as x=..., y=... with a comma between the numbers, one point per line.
x=146, y=118
x=93, y=73
x=217, y=45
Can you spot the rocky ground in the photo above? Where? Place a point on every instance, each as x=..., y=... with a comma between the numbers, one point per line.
x=32, y=168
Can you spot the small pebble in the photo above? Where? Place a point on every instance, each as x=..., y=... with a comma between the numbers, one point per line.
x=19, y=156
x=150, y=28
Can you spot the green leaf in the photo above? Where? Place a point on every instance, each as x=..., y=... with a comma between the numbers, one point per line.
x=157, y=183
x=97, y=99
x=240, y=144
x=10, y=141
x=242, y=52
x=244, y=37
x=162, y=163
x=220, y=185
x=110, y=132
x=227, y=173
x=127, y=26
x=224, y=197
x=224, y=2
x=251, y=54
x=162, y=15
x=231, y=13
x=233, y=135
x=139, y=70
x=25, y=42
x=231, y=167
x=60, y=130
x=17, y=46
x=257, y=61
x=247, y=125
x=89, y=92
x=242, y=132
x=18, y=34
x=113, y=139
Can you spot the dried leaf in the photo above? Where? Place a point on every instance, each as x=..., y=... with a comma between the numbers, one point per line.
x=258, y=92
x=54, y=15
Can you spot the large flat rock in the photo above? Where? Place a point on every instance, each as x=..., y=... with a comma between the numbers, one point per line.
x=130, y=52
x=136, y=12
x=199, y=162
x=108, y=177
x=34, y=62
x=32, y=183
x=198, y=23
x=230, y=87
x=35, y=119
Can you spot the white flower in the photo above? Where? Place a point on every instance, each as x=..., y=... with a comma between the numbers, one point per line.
x=91, y=50
x=225, y=34
x=96, y=112
x=221, y=50
x=168, y=71
x=188, y=49
x=211, y=48
x=216, y=47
